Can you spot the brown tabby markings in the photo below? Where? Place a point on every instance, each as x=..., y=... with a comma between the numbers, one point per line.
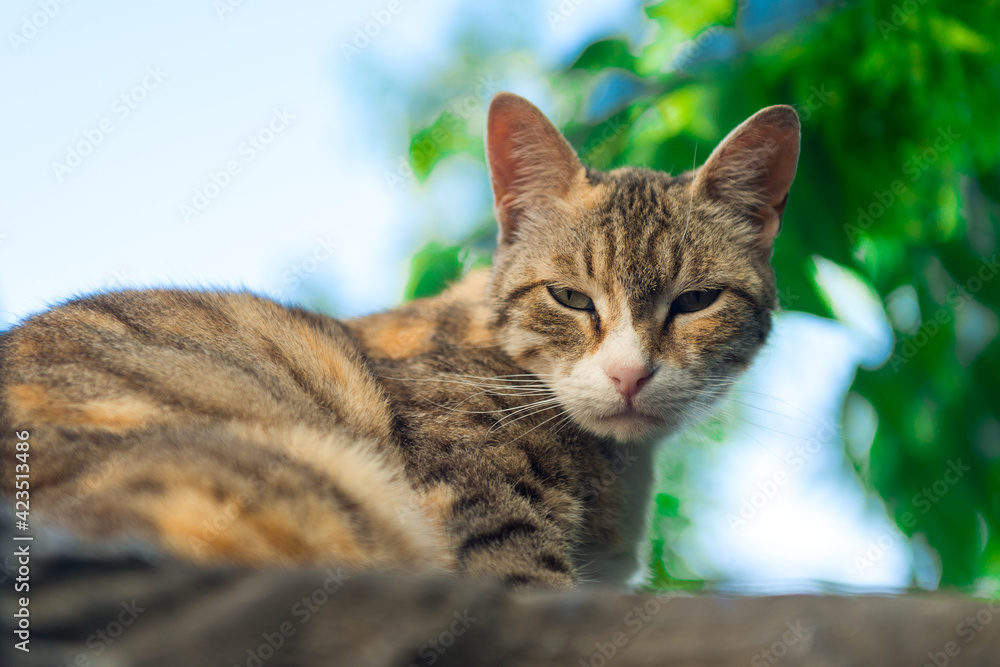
x=477, y=431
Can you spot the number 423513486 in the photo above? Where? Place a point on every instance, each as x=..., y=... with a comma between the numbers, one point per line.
x=21, y=474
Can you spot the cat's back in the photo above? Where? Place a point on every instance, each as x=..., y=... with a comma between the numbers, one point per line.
x=137, y=359
x=220, y=424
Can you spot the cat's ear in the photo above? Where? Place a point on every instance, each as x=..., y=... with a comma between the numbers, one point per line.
x=753, y=168
x=530, y=161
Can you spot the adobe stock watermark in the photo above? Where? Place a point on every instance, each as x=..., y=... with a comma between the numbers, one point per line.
x=94, y=480
x=224, y=8
x=213, y=527
x=968, y=629
x=610, y=130
x=302, y=611
x=434, y=648
x=594, y=489
x=457, y=112
x=101, y=639
x=818, y=97
x=31, y=25
x=692, y=49
x=563, y=11
x=795, y=639
x=957, y=298
x=121, y=108
x=880, y=546
x=924, y=500
x=256, y=487
x=364, y=34
x=794, y=460
x=251, y=493
x=901, y=12
x=120, y=278
x=300, y=271
x=914, y=168
x=248, y=150
x=787, y=297
x=634, y=622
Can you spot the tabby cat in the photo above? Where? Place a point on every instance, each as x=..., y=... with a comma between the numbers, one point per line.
x=502, y=429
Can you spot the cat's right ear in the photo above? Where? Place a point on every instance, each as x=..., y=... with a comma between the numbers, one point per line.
x=530, y=161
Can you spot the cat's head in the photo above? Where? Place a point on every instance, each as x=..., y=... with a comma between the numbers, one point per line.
x=636, y=296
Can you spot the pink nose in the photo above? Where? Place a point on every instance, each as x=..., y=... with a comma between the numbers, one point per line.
x=629, y=380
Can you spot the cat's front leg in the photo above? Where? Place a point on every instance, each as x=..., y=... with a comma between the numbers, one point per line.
x=513, y=530
x=521, y=550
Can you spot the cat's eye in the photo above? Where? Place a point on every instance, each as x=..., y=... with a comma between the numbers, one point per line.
x=571, y=298
x=691, y=302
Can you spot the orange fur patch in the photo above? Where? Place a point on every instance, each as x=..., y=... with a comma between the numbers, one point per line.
x=331, y=362
x=36, y=403
x=478, y=334
x=403, y=338
x=437, y=502
x=28, y=402
x=115, y=414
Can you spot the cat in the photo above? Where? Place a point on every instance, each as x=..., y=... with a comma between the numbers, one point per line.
x=504, y=428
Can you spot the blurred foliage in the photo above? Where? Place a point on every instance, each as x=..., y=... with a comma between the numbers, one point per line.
x=432, y=269
x=899, y=181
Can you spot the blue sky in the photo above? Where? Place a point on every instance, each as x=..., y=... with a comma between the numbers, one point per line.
x=257, y=116
x=115, y=218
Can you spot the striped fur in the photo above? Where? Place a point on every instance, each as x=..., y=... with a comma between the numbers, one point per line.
x=485, y=431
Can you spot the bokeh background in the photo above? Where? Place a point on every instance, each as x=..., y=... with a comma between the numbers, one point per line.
x=330, y=153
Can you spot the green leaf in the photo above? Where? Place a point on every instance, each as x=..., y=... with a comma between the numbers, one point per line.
x=950, y=32
x=606, y=54
x=432, y=269
x=692, y=17
x=667, y=505
x=446, y=136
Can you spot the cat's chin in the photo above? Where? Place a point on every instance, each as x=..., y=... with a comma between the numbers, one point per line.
x=628, y=427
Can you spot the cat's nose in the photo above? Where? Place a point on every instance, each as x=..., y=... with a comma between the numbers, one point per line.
x=628, y=380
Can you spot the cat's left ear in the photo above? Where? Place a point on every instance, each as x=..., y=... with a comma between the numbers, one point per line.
x=753, y=168
x=531, y=163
